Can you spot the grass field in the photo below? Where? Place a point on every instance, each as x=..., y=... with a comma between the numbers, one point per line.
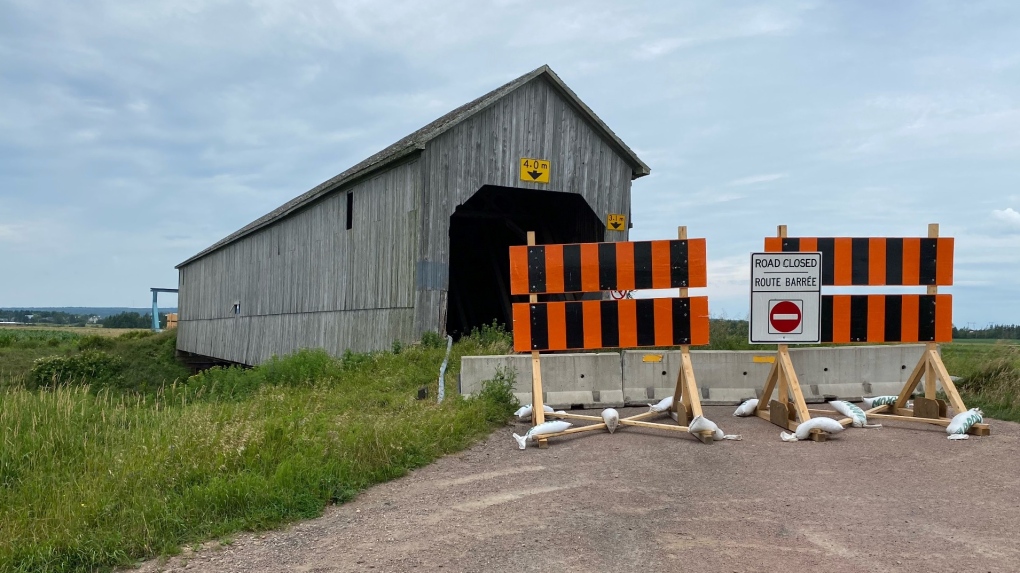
x=991, y=375
x=144, y=360
x=980, y=341
x=91, y=479
x=80, y=330
x=112, y=453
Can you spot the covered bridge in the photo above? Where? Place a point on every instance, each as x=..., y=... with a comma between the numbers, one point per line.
x=415, y=237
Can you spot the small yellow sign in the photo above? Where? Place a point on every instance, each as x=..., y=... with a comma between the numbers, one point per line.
x=616, y=222
x=534, y=170
x=764, y=359
x=651, y=358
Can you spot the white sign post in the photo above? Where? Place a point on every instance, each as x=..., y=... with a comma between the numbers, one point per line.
x=786, y=295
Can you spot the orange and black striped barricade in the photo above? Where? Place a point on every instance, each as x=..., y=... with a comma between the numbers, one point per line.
x=626, y=323
x=876, y=318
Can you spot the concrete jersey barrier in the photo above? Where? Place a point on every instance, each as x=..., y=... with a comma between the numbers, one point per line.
x=631, y=377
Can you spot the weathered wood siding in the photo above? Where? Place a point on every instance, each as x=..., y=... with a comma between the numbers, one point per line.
x=307, y=281
x=533, y=121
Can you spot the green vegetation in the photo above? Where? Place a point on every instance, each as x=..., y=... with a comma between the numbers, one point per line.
x=132, y=320
x=134, y=362
x=91, y=478
x=125, y=319
x=728, y=334
x=991, y=332
x=111, y=453
x=991, y=376
x=49, y=317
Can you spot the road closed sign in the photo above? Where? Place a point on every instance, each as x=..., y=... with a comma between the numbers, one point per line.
x=786, y=293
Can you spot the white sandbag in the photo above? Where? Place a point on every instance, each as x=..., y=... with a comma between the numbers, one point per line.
x=879, y=401
x=543, y=428
x=524, y=412
x=858, y=417
x=804, y=429
x=747, y=408
x=962, y=422
x=702, y=424
x=662, y=406
x=612, y=419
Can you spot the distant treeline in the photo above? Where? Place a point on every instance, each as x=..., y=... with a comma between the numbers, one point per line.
x=994, y=331
x=50, y=317
x=45, y=317
x=728, y=334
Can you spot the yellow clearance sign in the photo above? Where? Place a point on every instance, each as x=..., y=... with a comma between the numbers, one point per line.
x=616, y=222
x=534, y=170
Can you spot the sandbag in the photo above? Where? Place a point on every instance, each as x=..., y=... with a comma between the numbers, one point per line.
x=702, y=424
x=962, y=422
x=543, y=428
x=612, y=419
x=858, y=417
x=662, y=406
x=804, y=429
x=879, y=401
x=747, y=408
x=524, y=412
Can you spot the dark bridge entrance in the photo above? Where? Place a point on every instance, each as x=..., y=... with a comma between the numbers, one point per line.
x=481, y=232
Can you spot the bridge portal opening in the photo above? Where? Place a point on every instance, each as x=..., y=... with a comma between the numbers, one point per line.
x=481, y=233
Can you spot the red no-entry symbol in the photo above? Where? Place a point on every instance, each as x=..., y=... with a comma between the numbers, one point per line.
x=785, y=316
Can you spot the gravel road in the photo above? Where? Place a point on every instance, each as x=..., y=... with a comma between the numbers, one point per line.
x=901, y=498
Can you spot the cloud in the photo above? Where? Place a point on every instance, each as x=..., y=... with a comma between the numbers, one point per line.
x=12, y=233
x=721, y=26
x=1008, y=216
x=755, y=179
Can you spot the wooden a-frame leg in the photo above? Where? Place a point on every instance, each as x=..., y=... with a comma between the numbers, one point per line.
x=912, y=381
x=766, y=393
x=686, y=402
x=789, y=409
x=793, y=384
x=947, y=383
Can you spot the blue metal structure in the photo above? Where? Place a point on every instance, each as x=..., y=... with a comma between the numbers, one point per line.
x=155, y=306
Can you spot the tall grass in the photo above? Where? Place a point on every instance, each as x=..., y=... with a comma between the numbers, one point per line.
x=90, y=479
x=135, y=361
x=990, y=377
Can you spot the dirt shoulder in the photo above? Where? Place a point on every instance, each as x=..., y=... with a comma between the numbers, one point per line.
x=901, y=498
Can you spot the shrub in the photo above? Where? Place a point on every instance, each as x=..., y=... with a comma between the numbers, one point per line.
x=304, y=368
x=432, y=340
x=94, y=342
x=494, y=334
x=136, y=334
x=89, y=367
x=498, y=396
x=354, y=360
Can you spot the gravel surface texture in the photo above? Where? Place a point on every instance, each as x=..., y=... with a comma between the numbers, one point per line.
x=901, y=498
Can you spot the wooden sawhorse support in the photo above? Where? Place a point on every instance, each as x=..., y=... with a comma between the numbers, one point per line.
x=937, y=264
x=789, y=410
x=686, y=406
x=929, y=409
x=686, y=402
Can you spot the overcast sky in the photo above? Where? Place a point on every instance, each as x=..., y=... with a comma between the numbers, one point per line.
x=135, y=134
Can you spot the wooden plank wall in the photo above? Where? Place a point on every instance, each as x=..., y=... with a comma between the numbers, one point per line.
x=254, y=339
x=307, y=281
x=533, y=121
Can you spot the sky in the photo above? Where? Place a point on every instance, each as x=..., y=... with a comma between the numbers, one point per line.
x=135, y=134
